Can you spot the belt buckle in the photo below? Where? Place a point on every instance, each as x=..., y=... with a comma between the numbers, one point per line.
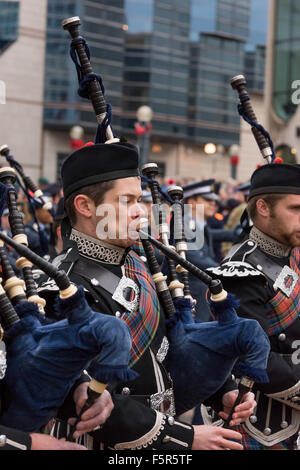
x=118, y=296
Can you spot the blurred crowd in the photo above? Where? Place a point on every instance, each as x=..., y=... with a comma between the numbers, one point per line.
x=42, y=227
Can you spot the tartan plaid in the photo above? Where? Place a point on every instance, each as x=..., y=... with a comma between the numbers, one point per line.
x=284, y=310
x=249, y=443
x=144, y=321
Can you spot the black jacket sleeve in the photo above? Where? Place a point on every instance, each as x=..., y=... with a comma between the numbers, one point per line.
x=140, y=427
x=13, y=439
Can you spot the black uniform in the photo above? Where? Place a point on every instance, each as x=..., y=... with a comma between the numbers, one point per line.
x=144, y=414
x=250, y=270
x=13, y=439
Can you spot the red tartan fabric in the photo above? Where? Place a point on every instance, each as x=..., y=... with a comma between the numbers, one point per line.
x=284, y=310
x=249, y=443
x=144, y=321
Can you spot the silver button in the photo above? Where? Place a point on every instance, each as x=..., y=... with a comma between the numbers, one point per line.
x=282, y=337
x=253, y=419
x=118, y=314
x=284, y=424
x=267, y=431
x=94, y=282
x=259, y=267
x=251, y=243
x=2, y=440
x=125, y=391
x=171, y=420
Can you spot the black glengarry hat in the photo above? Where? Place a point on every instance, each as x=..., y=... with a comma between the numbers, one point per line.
x=275, y=178
x=97, y=163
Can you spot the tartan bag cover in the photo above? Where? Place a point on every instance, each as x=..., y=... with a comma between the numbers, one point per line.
x=284, y=310
x=143, y=322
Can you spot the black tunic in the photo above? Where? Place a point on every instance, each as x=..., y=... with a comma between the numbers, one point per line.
x=133, y=424
x=248, y=272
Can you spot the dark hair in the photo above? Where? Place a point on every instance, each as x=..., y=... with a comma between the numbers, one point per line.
x=96, y=192
x=270, y=199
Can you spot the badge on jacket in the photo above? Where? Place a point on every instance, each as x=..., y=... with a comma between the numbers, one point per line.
x=286, y=281
x=3, y=364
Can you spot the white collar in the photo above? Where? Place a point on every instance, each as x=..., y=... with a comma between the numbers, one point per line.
x=96, y=249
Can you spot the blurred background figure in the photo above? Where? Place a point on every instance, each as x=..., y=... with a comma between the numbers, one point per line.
x=199, y=195
x=43, y=182
x=202, y=201
x=239, y=204
x=55, y=240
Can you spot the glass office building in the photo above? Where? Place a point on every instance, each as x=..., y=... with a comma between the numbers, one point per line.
x=286, y=58
x=176, y=57
x=225, y=41
x=102, y=26
x=156, y=65
x=180, y=57
x=9, y=23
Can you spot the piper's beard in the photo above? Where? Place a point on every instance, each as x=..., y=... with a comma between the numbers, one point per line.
x=291, y=240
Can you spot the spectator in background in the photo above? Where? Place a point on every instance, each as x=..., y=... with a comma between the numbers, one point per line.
x=43, y=182
x=225, y=190
x=54, y=193
x=201, y=194
x=234, y=218
x=55, y=241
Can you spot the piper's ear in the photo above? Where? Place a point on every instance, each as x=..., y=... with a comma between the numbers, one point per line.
x=84, y=205
x=262, y=208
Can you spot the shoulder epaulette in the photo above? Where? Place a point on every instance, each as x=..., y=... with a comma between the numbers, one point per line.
x=235, y=269
x=235, y=264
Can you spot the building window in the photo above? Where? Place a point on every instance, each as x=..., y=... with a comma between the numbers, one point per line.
x=9, y=24
x=286, y=57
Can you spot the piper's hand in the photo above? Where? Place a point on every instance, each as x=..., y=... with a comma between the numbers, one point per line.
x=242, y=412
x=46, y=442
x=96, y=415
x=215, y=438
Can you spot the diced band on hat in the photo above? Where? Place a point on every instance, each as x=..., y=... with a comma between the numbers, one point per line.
x=200, y=188
x=244, y=188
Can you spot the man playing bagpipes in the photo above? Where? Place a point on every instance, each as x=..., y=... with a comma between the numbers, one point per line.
x=263, y=271
x=102, y=192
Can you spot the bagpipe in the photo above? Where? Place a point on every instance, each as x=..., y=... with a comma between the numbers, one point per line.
x=201, y=356
x=46, y=358
x=90, y=84
x=246, y=111
x=29, y=185
x=15, y=176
